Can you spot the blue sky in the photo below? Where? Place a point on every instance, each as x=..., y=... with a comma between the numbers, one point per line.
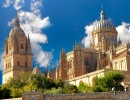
x=53, y=24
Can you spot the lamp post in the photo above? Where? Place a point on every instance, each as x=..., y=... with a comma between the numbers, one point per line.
x=114, y=91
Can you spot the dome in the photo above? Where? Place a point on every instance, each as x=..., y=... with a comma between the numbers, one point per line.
x=103, y=23
x=16, y=31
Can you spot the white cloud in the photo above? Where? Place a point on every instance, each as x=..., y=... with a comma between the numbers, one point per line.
x=35, y=5
x=88, y=30
x=8, y=3
x=124, y=32
x=32, y=23
x=1, y=61
x=16, y=3
x=42, y=57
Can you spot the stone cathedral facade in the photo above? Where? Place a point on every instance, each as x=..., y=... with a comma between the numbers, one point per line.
x=105, y=52
x=81, y=64
x=17, y=53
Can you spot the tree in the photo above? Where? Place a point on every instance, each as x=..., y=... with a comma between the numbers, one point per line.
x=110, y=79
x=69, y=89
x=84, y=87
x=4, y=93
x=59, y=83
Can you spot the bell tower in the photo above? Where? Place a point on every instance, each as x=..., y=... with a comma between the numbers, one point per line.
x=17, y=53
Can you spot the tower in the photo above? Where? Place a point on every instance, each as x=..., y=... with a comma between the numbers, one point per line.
x=103, y=33
x=17, y=53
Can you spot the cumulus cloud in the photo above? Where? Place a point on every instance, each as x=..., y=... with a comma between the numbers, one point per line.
x=88, y=30
x=1, y=61
x=16, y=3
x=32, y=23
x=124, y=32
x=35, y=5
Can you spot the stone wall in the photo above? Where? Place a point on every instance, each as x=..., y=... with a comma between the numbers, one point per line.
x=12, y=99
x=33, y=95
x=89, y=96
x=83, y=96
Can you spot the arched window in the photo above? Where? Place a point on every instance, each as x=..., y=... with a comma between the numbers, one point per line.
x=21, y=46
x=112, y=39
x=10, y=65
x=86, y=62
x=6, y=66
x=105, y=37
x=18, y=63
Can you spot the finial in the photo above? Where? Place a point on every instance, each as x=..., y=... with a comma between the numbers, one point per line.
x=62, y=49
x=119, y=39
x=16, y=21
x=5, y=38
x=102, y=14
x=73, y=47
x=28, y=37
x=16, y=14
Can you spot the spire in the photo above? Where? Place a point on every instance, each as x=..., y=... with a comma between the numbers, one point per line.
x=63, y=50
x=73, y=47
x=102, y=14
x=48, y=68
x=119, y=42
x=16, y=21
x=28, y=38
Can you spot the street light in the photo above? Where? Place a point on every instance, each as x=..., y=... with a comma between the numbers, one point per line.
x=114, y=90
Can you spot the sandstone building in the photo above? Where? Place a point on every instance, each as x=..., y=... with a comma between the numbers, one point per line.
x=81, y=64
x=105, y=52
x=17, y=53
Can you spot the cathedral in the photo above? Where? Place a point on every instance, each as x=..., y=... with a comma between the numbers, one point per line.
x=105, y=52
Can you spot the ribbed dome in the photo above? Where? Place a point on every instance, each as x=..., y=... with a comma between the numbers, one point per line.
x=16, y=31
x=103, y=23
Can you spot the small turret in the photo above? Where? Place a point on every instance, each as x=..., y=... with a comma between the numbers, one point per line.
x=28, y=45
x=102, y=15
x=119, y=42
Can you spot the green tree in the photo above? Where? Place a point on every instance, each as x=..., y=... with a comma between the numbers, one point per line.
x=69, y=89
x=59, y=84
x=110, y=79
x=40, y=82
x=84, y=87
x=5, y=93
